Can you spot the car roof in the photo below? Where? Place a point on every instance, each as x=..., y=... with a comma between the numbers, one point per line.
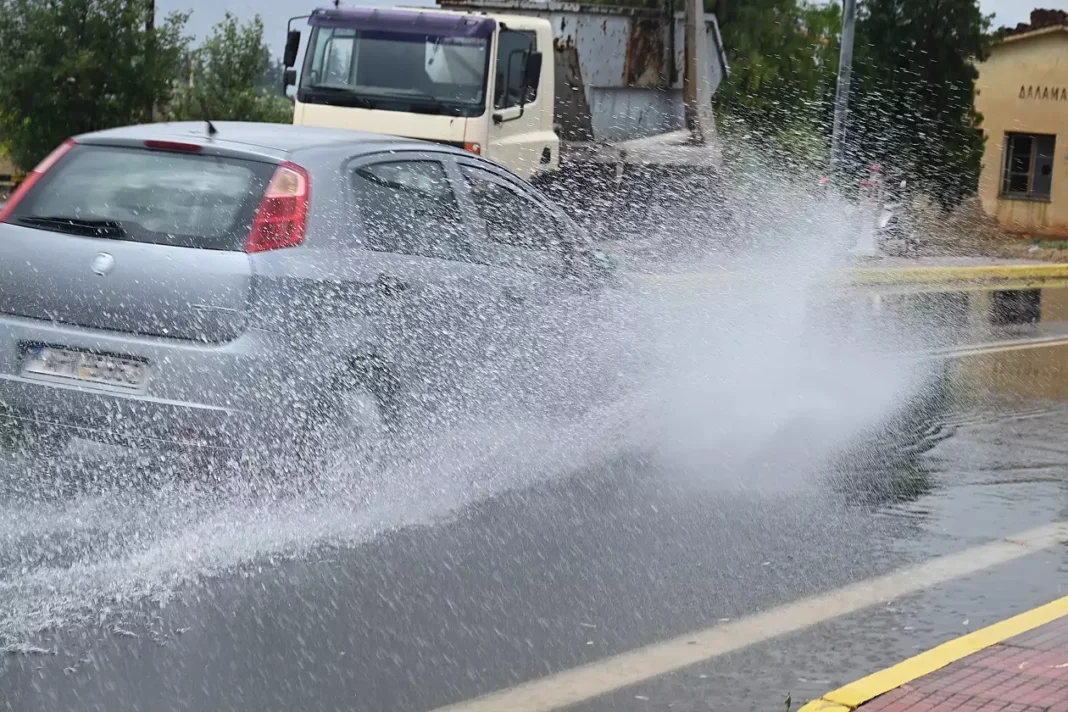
x=272, y=140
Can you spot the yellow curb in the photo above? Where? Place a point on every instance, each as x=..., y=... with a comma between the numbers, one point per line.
x=898, y=288
x=824, y=706
x=1016, y=275
x=868, y=688
x=978, y=273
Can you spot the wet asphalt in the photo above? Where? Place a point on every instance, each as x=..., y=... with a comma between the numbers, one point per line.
x=615, y=555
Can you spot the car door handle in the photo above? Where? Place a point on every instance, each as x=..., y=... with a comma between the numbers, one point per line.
x=513, y=295
x=391, y=286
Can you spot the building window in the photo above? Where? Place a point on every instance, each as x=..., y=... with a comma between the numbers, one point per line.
x=1028, y=172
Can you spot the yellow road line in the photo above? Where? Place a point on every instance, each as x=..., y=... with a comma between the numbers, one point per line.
x=997, y=348
x=857, y=693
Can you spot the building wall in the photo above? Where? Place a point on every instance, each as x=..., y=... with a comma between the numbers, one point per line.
x=1023, y=87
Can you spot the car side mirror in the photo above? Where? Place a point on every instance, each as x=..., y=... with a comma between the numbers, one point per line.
x=289, y=57
x=531, y=75
x=289, y=77
x=593, y=267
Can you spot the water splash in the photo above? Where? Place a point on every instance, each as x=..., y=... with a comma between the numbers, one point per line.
x=735, y=377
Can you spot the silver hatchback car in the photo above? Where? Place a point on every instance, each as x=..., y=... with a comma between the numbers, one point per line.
x=248, y=285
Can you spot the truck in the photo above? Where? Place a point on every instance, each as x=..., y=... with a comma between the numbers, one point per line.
x=607, y=108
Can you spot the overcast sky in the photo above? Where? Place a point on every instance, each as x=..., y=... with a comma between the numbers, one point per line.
x=1012, y=12
x=276, y=12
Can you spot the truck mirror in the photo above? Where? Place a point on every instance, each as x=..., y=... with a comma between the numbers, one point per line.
x=289, y=77
x=531, y=75
x=289, y=58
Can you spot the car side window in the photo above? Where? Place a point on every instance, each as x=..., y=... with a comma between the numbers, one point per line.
x=408, y=207
x=511, y=218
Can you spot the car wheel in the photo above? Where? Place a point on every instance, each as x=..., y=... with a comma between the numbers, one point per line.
x=355, y=430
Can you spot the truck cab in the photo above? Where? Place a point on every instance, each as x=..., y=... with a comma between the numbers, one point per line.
x=475, y=81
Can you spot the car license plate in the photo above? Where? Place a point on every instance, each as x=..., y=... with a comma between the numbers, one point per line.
x=51, y=363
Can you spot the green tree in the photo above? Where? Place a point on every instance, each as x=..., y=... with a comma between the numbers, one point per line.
x=271, y=82
x=784, y=57
x=71, y=66
x=225, y=77
x=913, y=103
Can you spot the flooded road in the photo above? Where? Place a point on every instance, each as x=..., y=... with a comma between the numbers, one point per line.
x=136, y=590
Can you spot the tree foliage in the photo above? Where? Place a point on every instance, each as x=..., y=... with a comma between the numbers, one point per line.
x=70, y=66
x=784, y=59
x=913, y=99
x=227, y=76
x=272, y=80
x=912, y=102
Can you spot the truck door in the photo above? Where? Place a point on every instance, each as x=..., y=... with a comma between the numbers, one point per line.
x=519, y=134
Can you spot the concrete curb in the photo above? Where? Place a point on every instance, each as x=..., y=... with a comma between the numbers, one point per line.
x=855, y=694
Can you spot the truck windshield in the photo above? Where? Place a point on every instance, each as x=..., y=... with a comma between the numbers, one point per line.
x=395, y=71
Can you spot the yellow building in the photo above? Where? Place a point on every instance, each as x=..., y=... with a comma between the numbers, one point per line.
x=1022, y=94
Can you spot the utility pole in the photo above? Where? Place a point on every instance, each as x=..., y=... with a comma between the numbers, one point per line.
x=150, y=58
x=845, y=74
x=696, y=94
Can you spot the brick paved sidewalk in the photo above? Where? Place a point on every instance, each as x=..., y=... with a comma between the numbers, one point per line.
x=1017, y=665
x=1027, y=673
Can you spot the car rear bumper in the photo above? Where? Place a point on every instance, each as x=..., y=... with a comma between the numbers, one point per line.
x=214, y=395
x=121, y=418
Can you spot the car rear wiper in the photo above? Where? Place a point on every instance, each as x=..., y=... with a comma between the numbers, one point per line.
x=78, y=226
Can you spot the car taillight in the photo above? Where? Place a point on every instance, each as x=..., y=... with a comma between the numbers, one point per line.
x=283, y=214
x=35, y=175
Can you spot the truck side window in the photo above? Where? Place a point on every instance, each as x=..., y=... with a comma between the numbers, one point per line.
x=511, y=218
x=408, y=207
x=512, y=48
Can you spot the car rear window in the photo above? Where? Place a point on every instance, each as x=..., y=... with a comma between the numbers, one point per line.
x=159, y=197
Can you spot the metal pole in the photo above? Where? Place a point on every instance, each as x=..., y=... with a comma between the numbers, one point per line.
x=845, y=72
x=696, y=90
x=673, y=70
x=150, y=59
x=692, y=10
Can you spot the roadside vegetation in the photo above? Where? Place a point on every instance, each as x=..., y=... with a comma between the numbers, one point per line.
x=71, y=66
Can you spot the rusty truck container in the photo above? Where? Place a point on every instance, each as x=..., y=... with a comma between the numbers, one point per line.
x=630, y=166
x=619, y=70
